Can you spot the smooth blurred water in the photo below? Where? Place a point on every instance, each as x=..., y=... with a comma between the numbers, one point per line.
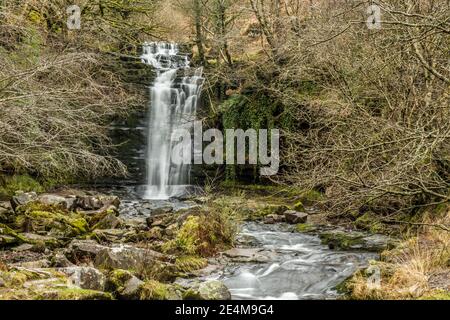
x=173, y=107
x=300, y=267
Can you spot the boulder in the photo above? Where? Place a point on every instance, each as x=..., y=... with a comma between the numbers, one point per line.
x=59, y=260
x=6, y=212
x=274, y=218
x=110, y=221
x=128, y=257
x=112, y=235
x=208, y=290
x=22, y=198
x=53, y=200
x=85, y=277
x=131, y=289
x=295, y=217
x=125, y=285
x=84, y=250
x=352, y=240
x=9, y=237
x=90, y=203
x=248, y=255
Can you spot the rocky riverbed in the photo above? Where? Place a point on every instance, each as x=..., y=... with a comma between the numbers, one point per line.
x=85, y=245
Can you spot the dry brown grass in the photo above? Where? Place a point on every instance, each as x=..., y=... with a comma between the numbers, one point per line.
x=419, y=268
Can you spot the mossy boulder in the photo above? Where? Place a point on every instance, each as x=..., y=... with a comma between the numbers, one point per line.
x=208, y=290
x=189, y=264
x=352, y=240
x=125, y=285
x=306, y=228
x=9, y=237
x=154, y=290
x=39, y=218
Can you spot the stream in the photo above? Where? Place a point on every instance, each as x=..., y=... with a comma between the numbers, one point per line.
x=298, y=266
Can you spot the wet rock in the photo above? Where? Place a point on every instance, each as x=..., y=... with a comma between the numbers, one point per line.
x=38, y=264
x=248, y=255
x=59, y=260
x=110, y=221
x=22, y=198
x=132, y=289
x=274, y=218
x=6, y=212
x=9, y=237
x=125, y=285
x=162, y=211
x=127, y=257
x=112, y=235
x=23, y=247
x=84, y=250
x=352, y=240
x=53, y=200
x=295, y=217
x=85, y=277
x=208, y=290
x=89, y=203
x=139, y=224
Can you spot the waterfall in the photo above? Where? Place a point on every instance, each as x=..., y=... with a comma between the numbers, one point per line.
x=173, y=106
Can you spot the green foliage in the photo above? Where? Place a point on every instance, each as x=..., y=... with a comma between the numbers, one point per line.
x=370, y=222
x=25, y=183
x=205, y=234
x=190, y=263
x=41, y=217
x=154, y=290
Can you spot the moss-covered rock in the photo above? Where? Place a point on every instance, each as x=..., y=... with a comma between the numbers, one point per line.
x=189, y=264
x=208, y=290
x=10, y=237
x=154, y=290
x=40, y=218
x=306, y=228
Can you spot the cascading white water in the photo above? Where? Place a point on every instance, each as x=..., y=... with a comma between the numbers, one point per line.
x=173, y=106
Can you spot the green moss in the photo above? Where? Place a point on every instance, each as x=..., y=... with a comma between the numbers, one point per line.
x=190, y=263
x=118, y=278
x=305, y=228
x=74, y=294
x=187, y=239
x=299, y=206
x=437, y=295
x=341, y=240
x=47, y=218
x=19, y=182
x=370, y=222
x=311, y=197
x=154, y=290
x=10, y=236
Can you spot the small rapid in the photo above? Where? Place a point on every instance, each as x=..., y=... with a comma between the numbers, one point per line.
x=291, y=266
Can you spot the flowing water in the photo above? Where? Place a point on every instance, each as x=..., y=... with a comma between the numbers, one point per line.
x=174, y=100
x=298, y=266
